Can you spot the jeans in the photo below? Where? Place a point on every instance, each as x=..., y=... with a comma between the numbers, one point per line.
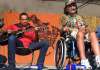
x=98, y=35
x=13, y=42
x=98, y=32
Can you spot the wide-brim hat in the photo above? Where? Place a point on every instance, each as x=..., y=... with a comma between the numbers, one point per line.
x=68, y=2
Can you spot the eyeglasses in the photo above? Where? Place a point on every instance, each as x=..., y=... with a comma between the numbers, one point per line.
x=24, y=19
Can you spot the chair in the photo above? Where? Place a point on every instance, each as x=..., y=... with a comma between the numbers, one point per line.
x=23, y=52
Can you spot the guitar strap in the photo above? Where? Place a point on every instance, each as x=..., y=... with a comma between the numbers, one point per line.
x=21, y=25
x=27, y=27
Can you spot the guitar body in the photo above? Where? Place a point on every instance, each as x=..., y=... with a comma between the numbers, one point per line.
x=18, y=32
x=43, y=32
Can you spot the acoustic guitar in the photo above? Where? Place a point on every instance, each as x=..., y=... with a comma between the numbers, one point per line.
x=5, y=34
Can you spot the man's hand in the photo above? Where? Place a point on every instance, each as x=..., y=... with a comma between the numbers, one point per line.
x=11, y=31
x=65, y=29
x=74, y=33
x=37, y=28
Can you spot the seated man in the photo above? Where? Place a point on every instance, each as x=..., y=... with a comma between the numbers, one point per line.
x=27, y=40
x=72, y=22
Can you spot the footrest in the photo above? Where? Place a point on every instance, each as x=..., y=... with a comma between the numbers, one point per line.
x=75, y=67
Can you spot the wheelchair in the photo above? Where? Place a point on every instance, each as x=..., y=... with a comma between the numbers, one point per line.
x=66, y=48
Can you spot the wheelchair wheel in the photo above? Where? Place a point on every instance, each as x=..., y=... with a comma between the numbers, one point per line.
x=60, y=53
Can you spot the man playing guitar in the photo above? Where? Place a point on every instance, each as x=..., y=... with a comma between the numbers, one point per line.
x=26, y=40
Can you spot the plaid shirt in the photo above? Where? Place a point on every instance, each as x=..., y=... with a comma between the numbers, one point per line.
x=72, y=22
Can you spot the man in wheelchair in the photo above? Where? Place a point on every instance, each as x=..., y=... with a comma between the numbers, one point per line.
x=72, y=22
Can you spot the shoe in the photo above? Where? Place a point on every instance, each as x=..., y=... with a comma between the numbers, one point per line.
x=1, y=65
x=97, y=59
x=86, y=63
x=42, y=68
x=11, y=67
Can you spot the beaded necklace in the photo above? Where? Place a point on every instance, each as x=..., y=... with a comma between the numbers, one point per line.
x=72, y=21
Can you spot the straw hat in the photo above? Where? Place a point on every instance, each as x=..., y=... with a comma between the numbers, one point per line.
x=68, y=2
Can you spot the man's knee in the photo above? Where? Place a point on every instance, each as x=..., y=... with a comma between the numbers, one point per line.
x=98, y=35
x=11, y=43
x=80, y=34
x=11, y=38
x=92, y=33
x=46, y=43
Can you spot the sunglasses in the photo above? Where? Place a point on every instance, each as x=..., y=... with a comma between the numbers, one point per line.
x=24, y=19
x=72, y=4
